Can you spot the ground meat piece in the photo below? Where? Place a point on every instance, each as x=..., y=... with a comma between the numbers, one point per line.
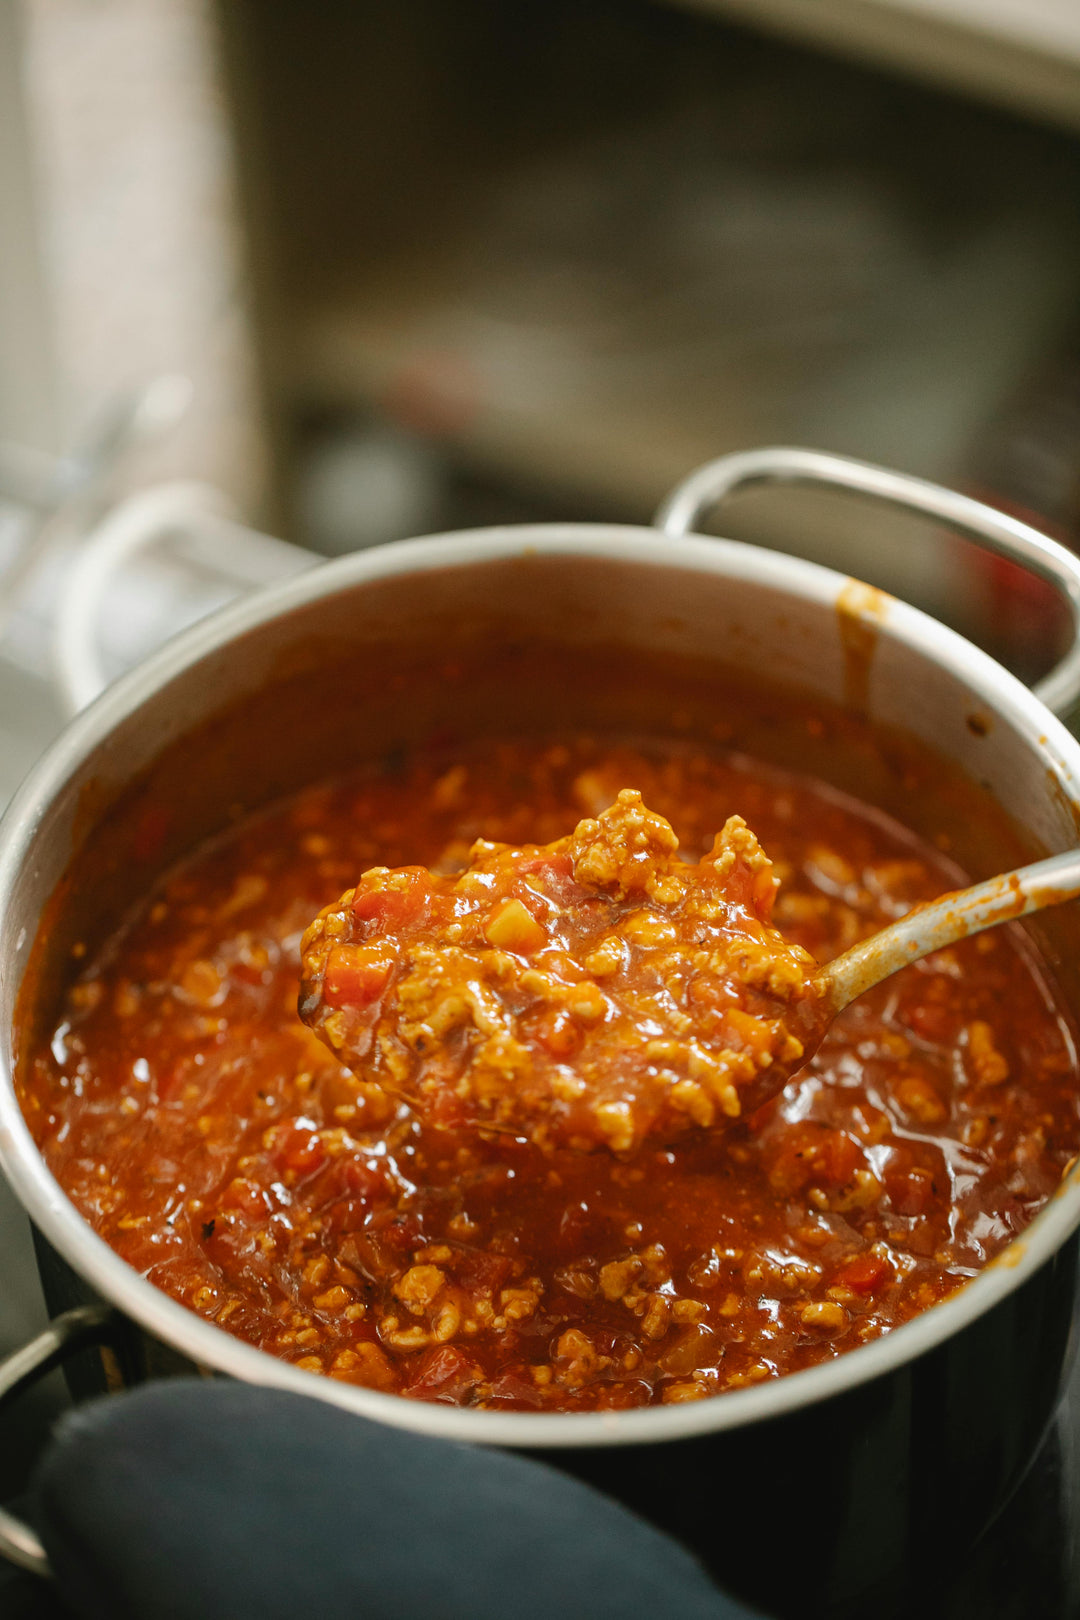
x=987, y=1065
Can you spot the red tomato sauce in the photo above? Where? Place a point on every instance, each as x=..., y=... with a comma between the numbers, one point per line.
x=226, y=1154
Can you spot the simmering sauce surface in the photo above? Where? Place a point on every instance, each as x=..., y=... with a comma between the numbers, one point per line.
x=223, y=1151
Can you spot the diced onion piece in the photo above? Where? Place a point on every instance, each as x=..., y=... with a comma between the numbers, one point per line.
x=514, y=928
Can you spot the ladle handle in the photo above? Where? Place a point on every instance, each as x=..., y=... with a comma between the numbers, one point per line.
x=1007, y=536
x=953, y=917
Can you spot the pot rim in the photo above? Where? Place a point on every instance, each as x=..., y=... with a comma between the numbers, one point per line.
x=211, y=1346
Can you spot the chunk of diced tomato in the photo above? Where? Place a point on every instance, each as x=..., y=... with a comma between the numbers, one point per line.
x=840, y=1158
x=365, y=1179
x=553, y=875
x=401, y=1233
x=480, y=1272
x=763, y=892
x=912, y=1192
x=556, y=1032
x=443, y=1374
x=299, y=1148
x=396, y=901
x=865, y=1274
x=351, y=1179
x=356, y=975
x=809, y=1153
x=247, y=1197
x=931, y=1021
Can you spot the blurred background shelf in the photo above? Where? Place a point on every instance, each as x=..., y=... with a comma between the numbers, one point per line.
x=540, y=261
x=454, y=263
x=1020, y=54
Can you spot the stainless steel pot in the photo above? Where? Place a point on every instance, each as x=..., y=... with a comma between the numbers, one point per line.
x=821, y=1492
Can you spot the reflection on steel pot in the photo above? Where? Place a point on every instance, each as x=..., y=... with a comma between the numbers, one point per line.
x=823, y=1492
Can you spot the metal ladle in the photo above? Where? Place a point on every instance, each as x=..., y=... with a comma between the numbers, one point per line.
x=947, y=920
x=928, y=928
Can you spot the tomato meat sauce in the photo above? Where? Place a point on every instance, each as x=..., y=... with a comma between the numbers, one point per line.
x=236, y=1161
x=592, y=991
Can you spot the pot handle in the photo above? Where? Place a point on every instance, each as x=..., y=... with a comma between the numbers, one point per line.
x=194, y=513
x=1005, y=535
x=76, y=1330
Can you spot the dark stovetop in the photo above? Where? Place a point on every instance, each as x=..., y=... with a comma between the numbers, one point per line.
x=1027, y=1565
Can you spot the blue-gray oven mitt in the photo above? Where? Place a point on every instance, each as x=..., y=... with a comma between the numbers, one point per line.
x=215, y=1501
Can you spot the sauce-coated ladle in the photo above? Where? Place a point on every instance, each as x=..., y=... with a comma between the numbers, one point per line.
x=947, y=920
x=928, y=928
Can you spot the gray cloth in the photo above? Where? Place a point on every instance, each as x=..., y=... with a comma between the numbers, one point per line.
x=193, y=1501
